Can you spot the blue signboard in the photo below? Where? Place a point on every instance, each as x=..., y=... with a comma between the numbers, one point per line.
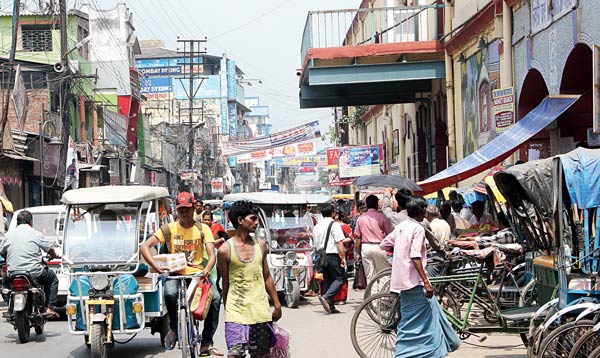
x=210, y=87
x=224, y=116
x=161, y=71
x=232, y=119
x=155, y=85
x=156, y=62
x=231, y=81
x=232, y=161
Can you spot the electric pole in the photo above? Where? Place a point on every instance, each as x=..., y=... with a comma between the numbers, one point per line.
x=65, y=89
x=11, y=60
x=191, y=51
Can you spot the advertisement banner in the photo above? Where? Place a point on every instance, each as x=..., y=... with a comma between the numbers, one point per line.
x=359, y=161
x=231, y=81
x=216, y=185
x=307, y=168
x=504, y=108
x=155, y=85
x=208, y=87
x=161, y=71
x=296, y=161
x=292, y=150
x=232, y=119
x=544, y=12
x=333, y=169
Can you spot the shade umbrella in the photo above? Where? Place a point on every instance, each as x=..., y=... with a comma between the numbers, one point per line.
x=394, y=181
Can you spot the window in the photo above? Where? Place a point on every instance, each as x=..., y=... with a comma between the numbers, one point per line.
x=36, y=38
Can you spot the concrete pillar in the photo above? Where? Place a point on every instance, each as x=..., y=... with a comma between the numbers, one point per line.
x=506, y=72
x=450, y=89
x=95, y=125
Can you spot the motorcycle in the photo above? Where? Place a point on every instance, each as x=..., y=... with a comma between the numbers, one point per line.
x=25, y=305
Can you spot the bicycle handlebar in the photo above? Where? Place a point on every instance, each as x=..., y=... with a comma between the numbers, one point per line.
x=165, y=275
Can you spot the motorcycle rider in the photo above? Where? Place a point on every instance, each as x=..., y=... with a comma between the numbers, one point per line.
x=22, y=248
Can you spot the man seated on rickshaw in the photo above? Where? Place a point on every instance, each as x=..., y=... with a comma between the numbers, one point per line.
x=185, y=237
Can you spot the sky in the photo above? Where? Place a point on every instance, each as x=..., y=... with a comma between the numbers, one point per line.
x=262, y=36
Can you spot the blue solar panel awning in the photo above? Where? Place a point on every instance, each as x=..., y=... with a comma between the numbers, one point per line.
x=502, y=146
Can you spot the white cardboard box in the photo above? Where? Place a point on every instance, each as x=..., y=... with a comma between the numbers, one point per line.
x=170, y=262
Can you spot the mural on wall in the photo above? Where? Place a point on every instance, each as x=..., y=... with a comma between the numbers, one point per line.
x=480, y=76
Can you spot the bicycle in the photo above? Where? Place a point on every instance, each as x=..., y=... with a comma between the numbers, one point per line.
x=188, y=328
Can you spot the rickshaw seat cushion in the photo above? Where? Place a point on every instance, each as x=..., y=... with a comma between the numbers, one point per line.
x=545, y=261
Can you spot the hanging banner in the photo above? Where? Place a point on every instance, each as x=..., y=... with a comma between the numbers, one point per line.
x=292, y=150
x=333, y=169
x=596, y=91
x=290, y=136
x=297, y=161
x=19, y=99
x=359, y=161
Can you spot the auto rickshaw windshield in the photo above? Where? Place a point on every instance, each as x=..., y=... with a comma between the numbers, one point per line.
x=105, y=233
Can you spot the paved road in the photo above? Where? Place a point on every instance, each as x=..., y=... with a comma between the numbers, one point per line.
x=314, y=334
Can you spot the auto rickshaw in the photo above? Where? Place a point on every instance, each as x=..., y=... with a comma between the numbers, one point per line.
x=287, y=226
x=111, y=292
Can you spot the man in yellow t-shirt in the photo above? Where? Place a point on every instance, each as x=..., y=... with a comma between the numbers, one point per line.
x=186, y=237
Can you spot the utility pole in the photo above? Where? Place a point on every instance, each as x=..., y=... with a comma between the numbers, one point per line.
x=65, y=88
x=11, y=60
x=191, y=50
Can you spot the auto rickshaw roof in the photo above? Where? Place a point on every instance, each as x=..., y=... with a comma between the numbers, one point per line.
x=114, y=194
x=270, y=198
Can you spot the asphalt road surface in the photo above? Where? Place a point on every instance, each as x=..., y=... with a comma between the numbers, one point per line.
x=314, y=334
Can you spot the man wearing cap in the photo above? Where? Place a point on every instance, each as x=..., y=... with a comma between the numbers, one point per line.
x=186, y=237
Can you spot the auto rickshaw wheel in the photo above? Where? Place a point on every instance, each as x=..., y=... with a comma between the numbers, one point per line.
x=292, y=293
x=98, y=341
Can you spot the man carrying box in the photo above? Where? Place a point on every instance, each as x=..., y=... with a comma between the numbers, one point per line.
x=185, y=236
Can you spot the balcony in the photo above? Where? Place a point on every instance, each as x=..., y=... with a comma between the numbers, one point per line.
x=370, y=55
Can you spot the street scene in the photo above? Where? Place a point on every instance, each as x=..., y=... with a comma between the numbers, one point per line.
x=286, y=178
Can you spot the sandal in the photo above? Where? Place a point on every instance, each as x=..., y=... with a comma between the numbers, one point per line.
x=211, y=351
x=170, y=340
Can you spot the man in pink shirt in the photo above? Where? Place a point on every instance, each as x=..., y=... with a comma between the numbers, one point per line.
x=371, y=228
x=420, y=332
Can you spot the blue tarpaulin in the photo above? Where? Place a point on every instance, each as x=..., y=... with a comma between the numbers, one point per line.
x=502, y=146
x=582, y=176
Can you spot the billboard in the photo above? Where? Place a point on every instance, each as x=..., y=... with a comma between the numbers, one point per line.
x=150, y=85
x=208, y=87
x=333, y=169
x=359, y=161
x=504, y=108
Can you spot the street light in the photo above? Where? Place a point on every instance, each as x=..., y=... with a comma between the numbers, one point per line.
x=52, y=141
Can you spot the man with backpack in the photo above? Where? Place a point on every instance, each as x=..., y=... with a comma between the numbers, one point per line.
x=329, y=241
x=188, y=237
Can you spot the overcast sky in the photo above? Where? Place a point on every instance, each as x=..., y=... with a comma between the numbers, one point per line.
x=262, y=36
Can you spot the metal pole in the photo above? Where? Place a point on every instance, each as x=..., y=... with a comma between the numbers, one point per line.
x=11, y=60
x=42, y=160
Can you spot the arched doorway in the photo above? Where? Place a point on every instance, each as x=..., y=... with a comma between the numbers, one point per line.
x=577, y=78
x=534, y=90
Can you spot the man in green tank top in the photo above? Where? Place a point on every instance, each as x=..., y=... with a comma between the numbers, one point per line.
x=242, y=262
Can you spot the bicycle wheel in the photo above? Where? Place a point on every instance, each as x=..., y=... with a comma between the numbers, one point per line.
x=182, y=333
x=528, y=294
x=374, y=324
x=560, y=342
x=585, y=345
x=595, y=353
x=379, y=283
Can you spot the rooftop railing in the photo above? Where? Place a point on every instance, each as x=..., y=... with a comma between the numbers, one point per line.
x=355, y=27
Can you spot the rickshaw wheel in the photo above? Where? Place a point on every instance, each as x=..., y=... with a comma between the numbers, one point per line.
x=98, y=341
x=292, y=294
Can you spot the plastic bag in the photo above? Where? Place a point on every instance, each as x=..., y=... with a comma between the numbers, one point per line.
x=281, y=349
